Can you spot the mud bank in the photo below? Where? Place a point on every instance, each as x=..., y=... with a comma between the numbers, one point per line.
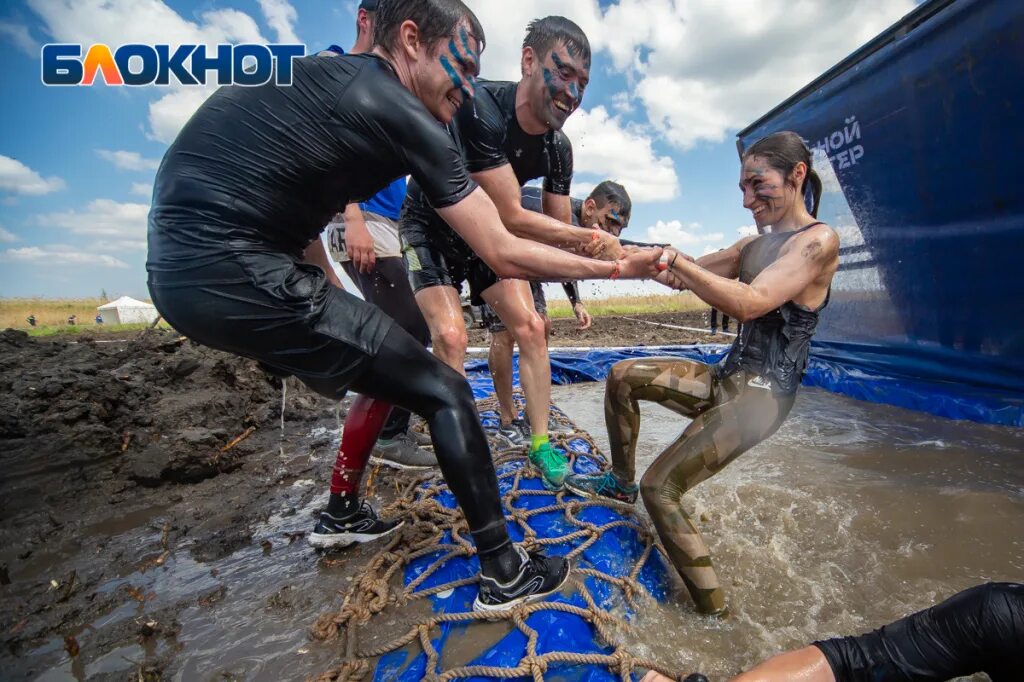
x=124, y=465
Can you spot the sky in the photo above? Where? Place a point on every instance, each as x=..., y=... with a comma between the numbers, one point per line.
x=672, y=83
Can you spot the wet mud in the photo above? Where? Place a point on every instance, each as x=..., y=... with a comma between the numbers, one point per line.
x=147, y=487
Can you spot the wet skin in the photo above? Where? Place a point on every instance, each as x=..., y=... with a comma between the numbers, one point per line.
x=766, y=194
x=566, y=74
x=462, y=65
x=608, y=217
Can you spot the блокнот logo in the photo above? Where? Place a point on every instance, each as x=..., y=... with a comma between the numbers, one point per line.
x=139, y=64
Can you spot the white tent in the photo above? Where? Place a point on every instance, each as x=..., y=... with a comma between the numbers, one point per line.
x=127, y=310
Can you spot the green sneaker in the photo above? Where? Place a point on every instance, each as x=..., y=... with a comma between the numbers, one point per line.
x=605, y=485
x=553, y=466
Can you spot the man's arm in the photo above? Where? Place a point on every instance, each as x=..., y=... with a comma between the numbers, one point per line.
x=502, y=187
x=316, y=254
x=476, y=220
x=809, y=255
x=358, y=240
x=557, y=206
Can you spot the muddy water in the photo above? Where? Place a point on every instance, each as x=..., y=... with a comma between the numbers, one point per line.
x=851, y=516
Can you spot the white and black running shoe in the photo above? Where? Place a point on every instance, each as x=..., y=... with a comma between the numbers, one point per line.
x=539, y=576
x=361, y=526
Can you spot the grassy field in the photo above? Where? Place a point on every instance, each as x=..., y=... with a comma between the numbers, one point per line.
x=52, y=316
x=631, y=305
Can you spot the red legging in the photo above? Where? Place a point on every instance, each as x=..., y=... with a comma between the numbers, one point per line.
x=363, y=424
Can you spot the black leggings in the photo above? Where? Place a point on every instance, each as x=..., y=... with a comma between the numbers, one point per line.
x=269, y=307
x=404, y=374
x=978, y=630
x=387, y=287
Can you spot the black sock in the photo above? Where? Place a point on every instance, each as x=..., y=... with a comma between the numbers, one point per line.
x=341, y=506
x=501, y=564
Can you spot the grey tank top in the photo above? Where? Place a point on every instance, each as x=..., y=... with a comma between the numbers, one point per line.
x=776, y=345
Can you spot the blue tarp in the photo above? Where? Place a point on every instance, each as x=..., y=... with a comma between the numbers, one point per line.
x=848, y=369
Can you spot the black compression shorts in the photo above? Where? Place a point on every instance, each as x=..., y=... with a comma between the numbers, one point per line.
x=978, y=630
x=274, y=309
x=436, y=256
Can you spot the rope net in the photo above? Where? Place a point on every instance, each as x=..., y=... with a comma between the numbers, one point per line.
x=435, y=555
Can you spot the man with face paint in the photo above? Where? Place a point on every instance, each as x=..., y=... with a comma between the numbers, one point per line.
x=510, y=133
x=608, y=208
x=236, y=262
x=776, y=285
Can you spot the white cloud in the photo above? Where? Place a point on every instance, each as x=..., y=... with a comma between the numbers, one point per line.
x=128, y=160
x=119, y=245
x=747, y=230
x=281, y=17
x=606, y=147
x=705, y=68
x=7, y=236
x=622, y=102
x=18, y=35
x=59, y=254
x=168, y=114
x=17, y=178
x=677, y=234
x=142, y=189
x=104, y=218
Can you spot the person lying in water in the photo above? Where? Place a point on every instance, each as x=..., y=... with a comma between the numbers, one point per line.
x=979, y=630
x=775, y=284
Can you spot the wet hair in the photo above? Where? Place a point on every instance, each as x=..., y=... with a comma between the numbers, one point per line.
x=436, y=20
x=612, y=192
x=542, y=34
x=783, y=151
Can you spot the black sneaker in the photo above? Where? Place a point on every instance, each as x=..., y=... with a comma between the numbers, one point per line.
x=539, y=576
x=361, y=526
x=512, y=435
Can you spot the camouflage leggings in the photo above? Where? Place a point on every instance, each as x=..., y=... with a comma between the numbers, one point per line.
x=730, y=415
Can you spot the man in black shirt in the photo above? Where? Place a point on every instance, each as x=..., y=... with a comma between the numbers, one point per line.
x=511, y=133
x=608, y=207
x=236, y=263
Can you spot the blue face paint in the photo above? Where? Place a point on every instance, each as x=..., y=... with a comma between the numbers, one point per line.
x=555, y=82
x=464, y=62
x=454, y=76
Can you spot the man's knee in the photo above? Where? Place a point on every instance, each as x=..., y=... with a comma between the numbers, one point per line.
x=530, y=332
x=502, y=341
x=453, y=339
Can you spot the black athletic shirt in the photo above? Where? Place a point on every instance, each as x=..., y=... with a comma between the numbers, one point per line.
x=264, y=168
x=492, y=138
x=487, y=131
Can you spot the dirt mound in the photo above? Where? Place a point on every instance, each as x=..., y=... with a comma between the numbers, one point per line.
x=148, y=411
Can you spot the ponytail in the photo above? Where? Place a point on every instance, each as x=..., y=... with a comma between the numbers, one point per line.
x=815, y=182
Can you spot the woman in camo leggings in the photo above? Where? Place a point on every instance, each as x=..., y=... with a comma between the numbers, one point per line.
x=776, y=284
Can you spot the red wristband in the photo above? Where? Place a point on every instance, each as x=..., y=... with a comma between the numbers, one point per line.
x=617, y=271
x=594, y=236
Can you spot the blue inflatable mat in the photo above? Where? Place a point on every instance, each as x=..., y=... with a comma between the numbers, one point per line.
x=617, y=552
